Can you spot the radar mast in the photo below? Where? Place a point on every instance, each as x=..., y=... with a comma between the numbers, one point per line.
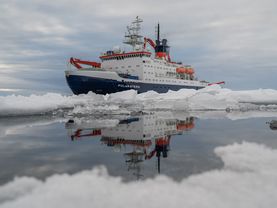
x=132, y=37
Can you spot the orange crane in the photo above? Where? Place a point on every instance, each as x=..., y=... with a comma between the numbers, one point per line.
x=76, y=62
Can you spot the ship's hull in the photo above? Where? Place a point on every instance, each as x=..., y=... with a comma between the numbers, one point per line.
x=82, y=84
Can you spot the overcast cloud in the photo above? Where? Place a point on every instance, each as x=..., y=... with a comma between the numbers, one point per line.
x=233, y=41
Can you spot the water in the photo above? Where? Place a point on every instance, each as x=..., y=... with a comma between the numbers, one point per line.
x=134, y=147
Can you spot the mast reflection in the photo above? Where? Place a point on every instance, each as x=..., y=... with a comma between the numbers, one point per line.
x=140, y=138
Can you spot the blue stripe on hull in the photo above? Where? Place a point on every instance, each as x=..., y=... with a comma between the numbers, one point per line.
x=83, y=84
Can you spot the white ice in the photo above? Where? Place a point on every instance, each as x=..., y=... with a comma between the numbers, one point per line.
x=210, y=98
x=247, y=180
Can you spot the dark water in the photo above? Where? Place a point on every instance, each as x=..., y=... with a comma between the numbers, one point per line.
x=133, y=147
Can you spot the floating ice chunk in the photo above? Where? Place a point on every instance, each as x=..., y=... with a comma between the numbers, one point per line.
x=18, y=188
x=93, y=109
x=39, y=104
x=247, y=180
x=209, y=98
x=148, y=95
x=124, y=97
x=13, y=105
x=248, y=156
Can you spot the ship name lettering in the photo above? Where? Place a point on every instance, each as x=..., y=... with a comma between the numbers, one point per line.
x=128, y=86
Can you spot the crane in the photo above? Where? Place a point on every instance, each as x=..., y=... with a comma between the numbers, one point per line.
x=76, y=62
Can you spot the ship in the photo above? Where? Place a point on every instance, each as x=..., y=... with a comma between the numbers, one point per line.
x=147, y=66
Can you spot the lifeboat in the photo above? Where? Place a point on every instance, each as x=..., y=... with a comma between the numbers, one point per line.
x=185, y=70
x=190, y=70
x=181, y=70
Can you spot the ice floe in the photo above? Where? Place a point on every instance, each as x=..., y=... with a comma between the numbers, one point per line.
x=247, y=179
x=210, y=98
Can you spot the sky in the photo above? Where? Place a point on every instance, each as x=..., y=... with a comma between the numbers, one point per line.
x=233, y=40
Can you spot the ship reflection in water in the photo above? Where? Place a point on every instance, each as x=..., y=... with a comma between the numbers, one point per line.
x=139, y=138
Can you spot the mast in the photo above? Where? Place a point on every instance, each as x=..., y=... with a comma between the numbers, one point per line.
x=158, y=42
x=133, y=37
x=158, y=33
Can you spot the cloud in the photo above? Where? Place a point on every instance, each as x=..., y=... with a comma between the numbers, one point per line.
x=219, y=38
x=248, y=179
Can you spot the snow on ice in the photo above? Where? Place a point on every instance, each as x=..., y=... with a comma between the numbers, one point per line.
x=209, y=98
x=248, y=179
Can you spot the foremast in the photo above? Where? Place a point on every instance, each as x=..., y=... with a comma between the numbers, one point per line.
x=133, y=37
